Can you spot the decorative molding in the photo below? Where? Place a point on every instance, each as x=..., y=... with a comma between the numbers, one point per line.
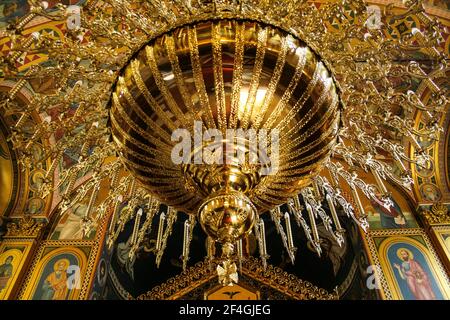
x=26, y=246
x=273, y=276
x=438, y=214
x=181, y=283
x=124, y=294
x=25, y=227
x=437, y=150
x=57, y=245
x=287, y=283
x=373, y=253
x=443, y=160
x=343, y=287
x=402, y=232
x=437, y=236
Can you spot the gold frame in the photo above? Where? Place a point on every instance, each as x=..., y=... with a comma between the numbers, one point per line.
x=442, y=249
x=17, y=277
x=370, y=249
x=426, y=94
x=446, y=162
x=96, y=249
x=87, y=265
x=21, y=197
x=13, y=194
x=387, y=277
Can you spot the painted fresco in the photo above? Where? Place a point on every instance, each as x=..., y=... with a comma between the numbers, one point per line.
x=9, y=265
x=411, y=270
x=54, y=280
x=12, y=10
x=58, y=275
x=395, y=217
x=12, y=259
x=400, y=216
x=71, y=224
x=413, y=275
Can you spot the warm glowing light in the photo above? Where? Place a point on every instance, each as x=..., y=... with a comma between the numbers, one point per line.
x=169, y=77
x=244, y=100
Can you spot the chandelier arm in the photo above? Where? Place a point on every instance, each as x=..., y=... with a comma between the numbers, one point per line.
x=314, y=199
x=296, y=209
x=276, y=215
x=187, y=239
x=152, y=209
x=336, y=194
x=260, y=235
x=171, y=218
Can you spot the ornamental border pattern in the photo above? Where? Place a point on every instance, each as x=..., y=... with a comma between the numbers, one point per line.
x=274, y=277
x=402, y=232
x=91, y=259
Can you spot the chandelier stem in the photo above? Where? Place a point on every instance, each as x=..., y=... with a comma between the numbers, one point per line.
x=21, y=120
x=379, y=181
x=289, y=231
x=358, y=201
x=210, y=251
x=53, y=166
x=239, y=253
x=72, y=179
x=132, y=188
x=297, y=203
x=312, y=221
x=317, y=192
x=334, y=215
x=186, y=242
x=171, y=217
x=262, y=235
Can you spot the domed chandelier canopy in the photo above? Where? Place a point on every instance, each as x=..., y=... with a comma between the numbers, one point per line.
x=225, y=110
x=224, y=75
x=227, y=76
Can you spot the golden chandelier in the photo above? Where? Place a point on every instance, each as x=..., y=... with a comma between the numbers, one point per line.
x=176, y=99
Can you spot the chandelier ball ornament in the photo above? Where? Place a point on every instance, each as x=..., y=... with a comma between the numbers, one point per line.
x=226, y=113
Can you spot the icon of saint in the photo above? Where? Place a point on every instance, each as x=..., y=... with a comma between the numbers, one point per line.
x=6, y=270
x=55, y=285
x=416, y=278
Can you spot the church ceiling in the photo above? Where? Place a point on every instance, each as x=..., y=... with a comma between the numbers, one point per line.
x=27, y=52
x=60, y=62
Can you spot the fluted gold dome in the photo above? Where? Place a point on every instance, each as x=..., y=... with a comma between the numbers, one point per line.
x=226, y=74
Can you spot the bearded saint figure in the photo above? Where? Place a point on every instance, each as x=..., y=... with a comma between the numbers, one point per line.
x=416, y=278
x=55, y=285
